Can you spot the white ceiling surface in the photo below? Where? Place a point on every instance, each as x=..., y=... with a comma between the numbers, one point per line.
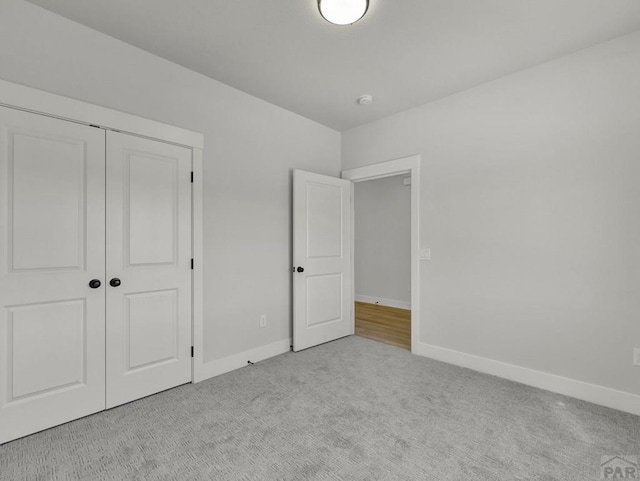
x=403, y=52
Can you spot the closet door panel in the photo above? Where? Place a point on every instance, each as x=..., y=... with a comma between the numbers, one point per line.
x=149, y=253
x=52, y=228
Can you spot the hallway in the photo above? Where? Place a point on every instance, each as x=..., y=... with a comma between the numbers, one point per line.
x=389, y=325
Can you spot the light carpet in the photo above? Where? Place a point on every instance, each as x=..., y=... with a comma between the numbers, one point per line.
x=352, y=409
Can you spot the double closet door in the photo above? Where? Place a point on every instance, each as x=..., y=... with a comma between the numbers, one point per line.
x=95, y=270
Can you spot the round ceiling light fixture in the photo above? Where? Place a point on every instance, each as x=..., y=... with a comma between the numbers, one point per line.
x=343, y=12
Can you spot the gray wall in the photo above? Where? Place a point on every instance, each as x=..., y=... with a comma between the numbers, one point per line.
x=251, y=147
x=530, y=202
x=383, y=240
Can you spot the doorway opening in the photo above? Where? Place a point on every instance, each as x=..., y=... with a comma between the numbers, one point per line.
x=394, y=315
x=382, y=259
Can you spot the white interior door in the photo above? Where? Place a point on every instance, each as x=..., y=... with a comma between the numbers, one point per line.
x=148, y=267
x=52, y=229
x=322, y=273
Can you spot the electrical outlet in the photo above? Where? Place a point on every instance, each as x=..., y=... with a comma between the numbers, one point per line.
x=425, y=254
x=263, y=320
x=636, y=356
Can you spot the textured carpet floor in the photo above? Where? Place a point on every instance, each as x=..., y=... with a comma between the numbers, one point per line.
x=352, y=409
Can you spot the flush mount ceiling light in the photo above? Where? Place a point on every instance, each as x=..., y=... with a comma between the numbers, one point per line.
x=343, y=12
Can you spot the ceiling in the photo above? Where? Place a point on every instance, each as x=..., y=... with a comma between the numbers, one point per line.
x=403, y=52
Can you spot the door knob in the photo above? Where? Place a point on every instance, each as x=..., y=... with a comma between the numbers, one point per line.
x=300, y=269
x=94, y=283
x=115, y=282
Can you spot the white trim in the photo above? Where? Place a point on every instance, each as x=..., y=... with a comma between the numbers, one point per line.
x=352, y=329
x=45, y=103
x=601, y=395
x=236, y=361
x=198, y=266
x=383, y=302
x=405, y=165
x=383, y=169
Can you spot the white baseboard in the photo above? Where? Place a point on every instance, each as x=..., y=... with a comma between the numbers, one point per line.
x=383, y=302
x=236, y=361
x=601, y=395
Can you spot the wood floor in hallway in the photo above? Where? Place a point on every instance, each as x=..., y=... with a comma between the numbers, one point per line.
x=384, y=324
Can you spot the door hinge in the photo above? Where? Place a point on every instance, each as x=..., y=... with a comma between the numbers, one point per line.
x=191, y=351
x=191, y=264
x=192, y=177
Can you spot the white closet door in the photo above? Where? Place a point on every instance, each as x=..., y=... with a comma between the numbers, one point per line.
x=52, y=358
x=149, y=256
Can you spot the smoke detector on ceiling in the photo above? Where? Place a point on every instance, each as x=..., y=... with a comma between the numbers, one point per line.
x=365, y=99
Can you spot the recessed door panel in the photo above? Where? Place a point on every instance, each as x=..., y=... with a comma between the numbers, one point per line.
x=324, y=299
x=152, y=189
x=47, y=200
x=149, y=252
x=46, y=348
x=324, y=220
x=52, y=230
x=152, y=334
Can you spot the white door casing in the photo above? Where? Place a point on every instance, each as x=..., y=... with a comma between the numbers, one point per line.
x=406, y=165
x=322, y=231
x=149, y=251
x=52, y=229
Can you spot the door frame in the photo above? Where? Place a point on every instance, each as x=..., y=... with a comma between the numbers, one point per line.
x=36, y=101
x=405, y=165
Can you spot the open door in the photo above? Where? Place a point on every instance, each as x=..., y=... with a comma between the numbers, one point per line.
x=322, y=267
